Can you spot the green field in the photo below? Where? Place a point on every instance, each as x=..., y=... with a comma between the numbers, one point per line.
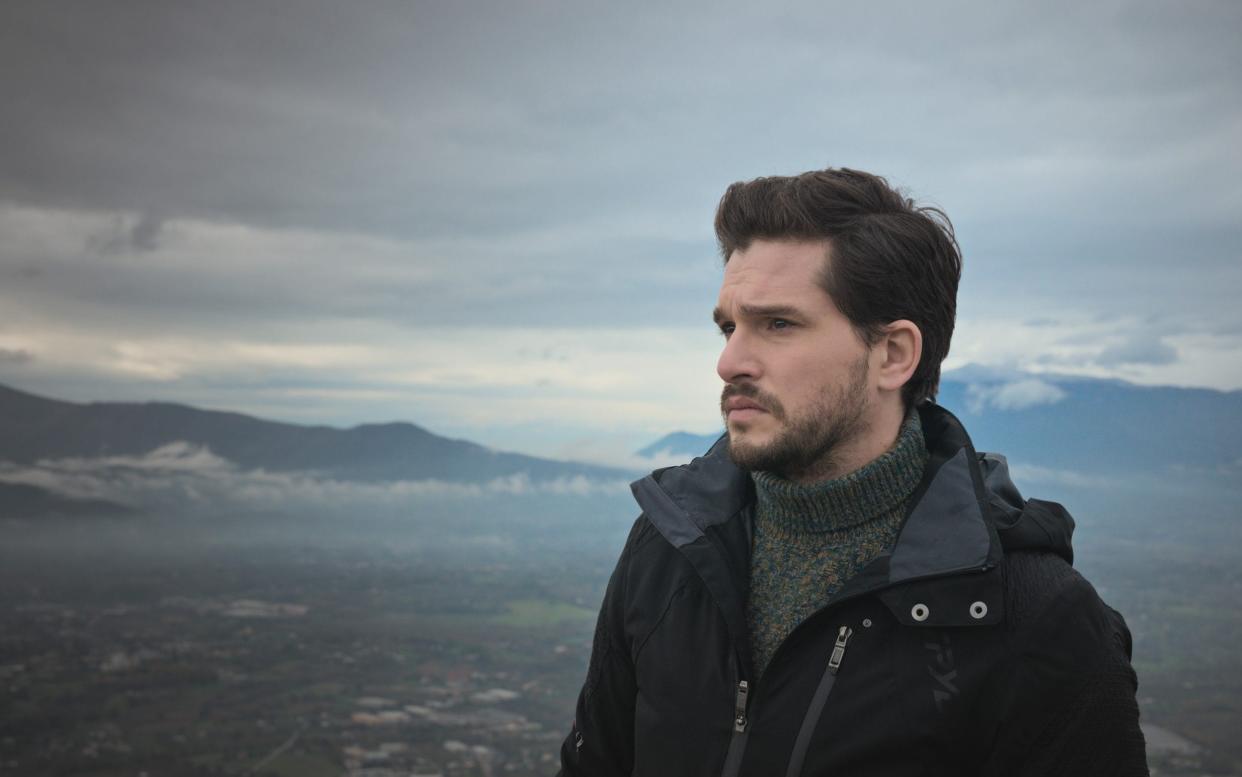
x=536, y=613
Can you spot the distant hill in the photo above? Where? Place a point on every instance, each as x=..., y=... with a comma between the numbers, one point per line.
x=1084, y=424
x=1100, y=426
x=680, y=443
x=34, y=428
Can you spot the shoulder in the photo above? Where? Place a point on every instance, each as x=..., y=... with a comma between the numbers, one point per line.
x=641, y=537
x=1063, y=701
x=1053, y=612
x=645, y=551
x=649, y=568
x=1035, y=581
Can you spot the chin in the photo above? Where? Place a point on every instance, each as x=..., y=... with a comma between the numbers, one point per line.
x=746, y=451
x=743, y=437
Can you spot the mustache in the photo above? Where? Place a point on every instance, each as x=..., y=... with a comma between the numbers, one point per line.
x=751, y=391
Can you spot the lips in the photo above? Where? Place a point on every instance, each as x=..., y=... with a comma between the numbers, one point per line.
x=742, y=403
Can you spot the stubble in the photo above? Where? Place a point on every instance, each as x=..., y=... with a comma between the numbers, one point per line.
x=809, y=442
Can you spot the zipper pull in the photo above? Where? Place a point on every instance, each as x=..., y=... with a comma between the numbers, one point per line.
x=838, y=650
x=739, y=707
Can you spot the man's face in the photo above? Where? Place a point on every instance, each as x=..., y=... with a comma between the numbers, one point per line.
x=798, y=385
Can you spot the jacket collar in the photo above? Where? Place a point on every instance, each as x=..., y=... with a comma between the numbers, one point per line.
x=963, y=514
x=945, y=530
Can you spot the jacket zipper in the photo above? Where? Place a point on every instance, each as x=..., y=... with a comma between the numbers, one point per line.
x=816, y=708
x=741, y=724
x=838, y=650
x=739, y=707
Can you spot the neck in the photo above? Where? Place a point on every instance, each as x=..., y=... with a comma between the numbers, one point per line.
x=874, y=438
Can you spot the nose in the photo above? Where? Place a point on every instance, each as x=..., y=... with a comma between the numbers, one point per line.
x=738, y=360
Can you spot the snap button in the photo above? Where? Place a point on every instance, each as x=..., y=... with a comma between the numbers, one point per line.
x=978, y=610
x=919, y=612
x=866, y=623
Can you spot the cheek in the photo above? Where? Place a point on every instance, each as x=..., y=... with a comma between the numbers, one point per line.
x=807, y=380
x=808, y=391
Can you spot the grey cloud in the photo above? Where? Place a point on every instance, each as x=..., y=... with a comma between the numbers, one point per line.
x=480, y=282
x=1082, y=151
x=138, y=234
x=405, y=124
x=144, y=235
x=1138, y=350
x=15, y=356
x=424, y=119
x=11, y=355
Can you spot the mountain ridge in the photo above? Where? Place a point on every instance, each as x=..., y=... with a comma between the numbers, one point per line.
x=34, y=428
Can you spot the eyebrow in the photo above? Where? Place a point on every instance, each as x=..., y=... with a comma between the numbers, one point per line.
x=759, y=311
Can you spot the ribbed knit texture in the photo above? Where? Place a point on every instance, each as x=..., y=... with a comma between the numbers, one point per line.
x=809, y=540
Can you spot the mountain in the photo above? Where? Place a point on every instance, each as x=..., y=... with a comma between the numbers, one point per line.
x=679, y=443
x=1100, y=426
x=33, y=428
x=1083, y=424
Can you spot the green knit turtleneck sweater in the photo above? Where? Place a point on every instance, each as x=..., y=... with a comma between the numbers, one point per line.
x=811, y=539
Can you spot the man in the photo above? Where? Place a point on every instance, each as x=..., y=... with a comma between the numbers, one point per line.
x=842, y=586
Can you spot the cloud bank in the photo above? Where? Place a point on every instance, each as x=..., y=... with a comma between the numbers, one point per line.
x=181, y=477
x=1015, y=395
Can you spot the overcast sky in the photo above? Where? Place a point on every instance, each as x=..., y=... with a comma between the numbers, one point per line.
x=494, y=219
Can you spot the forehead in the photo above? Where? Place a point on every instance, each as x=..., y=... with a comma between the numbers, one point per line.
x=776, y=270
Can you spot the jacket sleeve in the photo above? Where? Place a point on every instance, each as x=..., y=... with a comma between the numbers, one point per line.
x=601, y=742
x=1065, y=702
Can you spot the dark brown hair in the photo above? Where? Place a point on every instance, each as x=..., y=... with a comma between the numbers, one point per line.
x=888, y=257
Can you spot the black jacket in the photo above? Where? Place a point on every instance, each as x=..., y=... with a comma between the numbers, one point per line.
x=972, y=648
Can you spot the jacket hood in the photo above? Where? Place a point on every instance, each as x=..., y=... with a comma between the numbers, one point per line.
x=1024, y=524
x=963, y=516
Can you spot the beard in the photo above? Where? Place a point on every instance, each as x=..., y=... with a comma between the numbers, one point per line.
x=807, y=442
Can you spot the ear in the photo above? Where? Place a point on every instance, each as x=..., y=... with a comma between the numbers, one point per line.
x=899, y=351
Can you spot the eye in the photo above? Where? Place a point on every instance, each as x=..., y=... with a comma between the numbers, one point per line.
x=726, y=329
x=780, y=323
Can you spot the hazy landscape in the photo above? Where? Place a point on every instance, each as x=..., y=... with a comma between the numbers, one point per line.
x=186, y=592
x=443, y=274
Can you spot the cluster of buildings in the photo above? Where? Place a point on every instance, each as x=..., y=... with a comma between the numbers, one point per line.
x=453, y=730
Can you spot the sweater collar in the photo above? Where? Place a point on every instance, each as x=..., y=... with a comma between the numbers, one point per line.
x=879, y=487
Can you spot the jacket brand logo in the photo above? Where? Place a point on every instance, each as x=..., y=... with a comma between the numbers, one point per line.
x=942, y=671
